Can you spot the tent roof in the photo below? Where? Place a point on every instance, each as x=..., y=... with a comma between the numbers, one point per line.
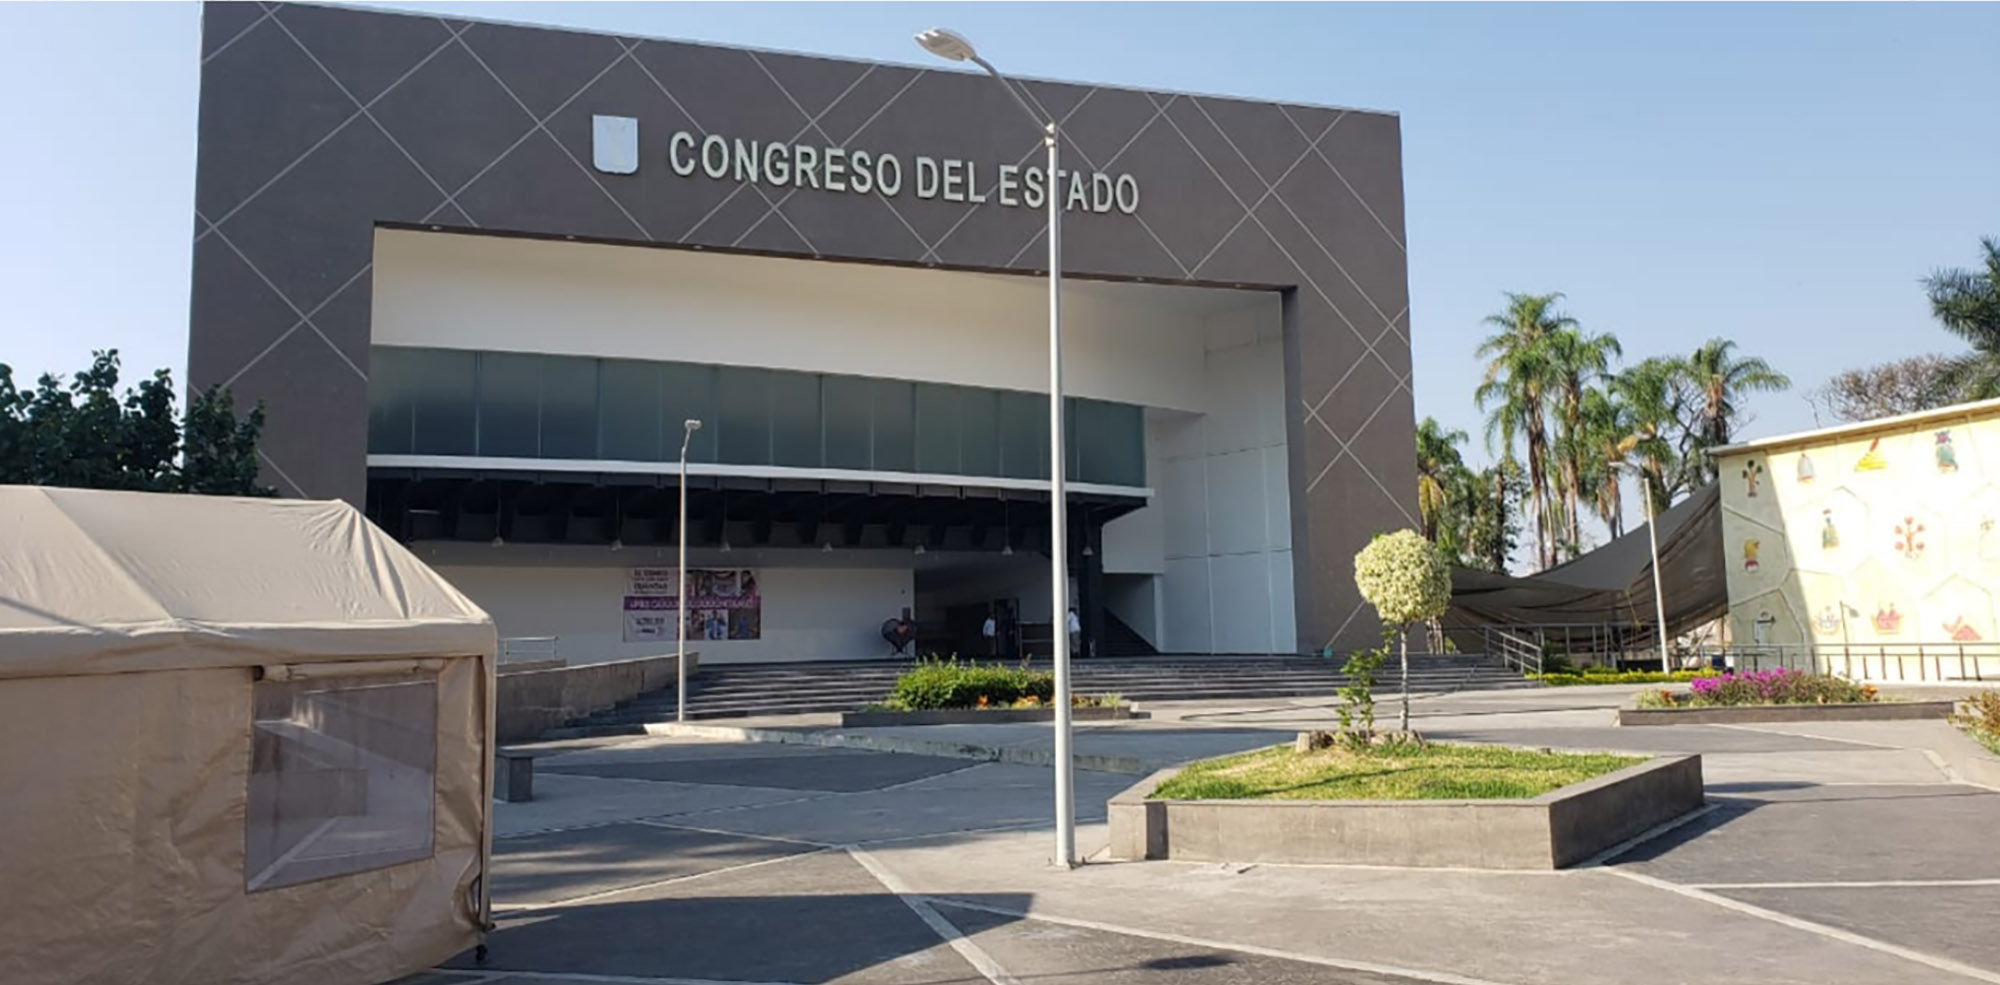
x=1613, y=585
x=93, y=581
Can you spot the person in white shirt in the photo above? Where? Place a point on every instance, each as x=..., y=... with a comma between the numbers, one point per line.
x=1075, y=635
x=992, y=633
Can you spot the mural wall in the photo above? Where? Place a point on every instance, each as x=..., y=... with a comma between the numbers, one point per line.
x=1876, y=539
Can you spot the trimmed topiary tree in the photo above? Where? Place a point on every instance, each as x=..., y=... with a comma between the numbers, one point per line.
x=1407, y=581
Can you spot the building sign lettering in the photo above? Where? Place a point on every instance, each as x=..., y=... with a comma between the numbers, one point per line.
x=782, y=164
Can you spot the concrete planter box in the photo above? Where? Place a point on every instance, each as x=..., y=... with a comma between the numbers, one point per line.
x=534, y=699
x=1557, y=829
x=1874, y=711
x=974, y=716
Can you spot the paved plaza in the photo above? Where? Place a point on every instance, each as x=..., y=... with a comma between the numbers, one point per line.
x=1829, y=855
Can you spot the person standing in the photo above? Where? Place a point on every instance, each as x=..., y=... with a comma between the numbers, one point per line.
x=1075, y=629
x=991, y=630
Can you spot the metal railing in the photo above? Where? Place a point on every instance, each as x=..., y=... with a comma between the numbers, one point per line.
x=1521, y=652
x=517, y=648
x=1915, y=663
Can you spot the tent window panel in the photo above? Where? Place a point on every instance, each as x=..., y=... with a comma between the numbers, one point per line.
x=342, y=778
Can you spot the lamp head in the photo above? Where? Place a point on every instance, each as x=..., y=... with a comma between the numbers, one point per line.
x=948, y=45
x=692, y=425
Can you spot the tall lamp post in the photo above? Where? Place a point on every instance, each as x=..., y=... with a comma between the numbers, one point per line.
x=688, y=428
x=951, y=47
x=1653, y=539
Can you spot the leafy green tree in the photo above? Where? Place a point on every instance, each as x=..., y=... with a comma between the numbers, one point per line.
x=1516, y=393
x=1439, y=482
x=84, y=434
x=1492, y=525
x=1901, y=386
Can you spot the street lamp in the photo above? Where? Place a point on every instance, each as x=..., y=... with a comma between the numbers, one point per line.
x=688, y=428
x=1653, y=538
x=952, y=47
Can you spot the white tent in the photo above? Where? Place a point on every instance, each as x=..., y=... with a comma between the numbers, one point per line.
x=241, y=740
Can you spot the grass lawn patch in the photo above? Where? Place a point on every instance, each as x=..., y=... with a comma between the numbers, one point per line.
x=1404, y=772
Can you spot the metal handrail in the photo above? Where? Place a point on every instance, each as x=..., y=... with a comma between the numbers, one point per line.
x=1936, y=663
x=1518, y=652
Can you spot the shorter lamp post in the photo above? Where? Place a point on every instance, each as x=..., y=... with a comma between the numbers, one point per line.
x=1653, y=539
x=688, y=428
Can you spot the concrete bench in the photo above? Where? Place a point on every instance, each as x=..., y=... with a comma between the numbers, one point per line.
x=514, y=775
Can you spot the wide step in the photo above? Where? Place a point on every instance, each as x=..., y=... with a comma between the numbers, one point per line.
x=756, y=690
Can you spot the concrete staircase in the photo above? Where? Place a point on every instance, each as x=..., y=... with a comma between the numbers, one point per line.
x=747, y=690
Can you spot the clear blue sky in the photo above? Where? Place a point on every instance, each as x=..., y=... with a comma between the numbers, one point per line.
x=1781, y=174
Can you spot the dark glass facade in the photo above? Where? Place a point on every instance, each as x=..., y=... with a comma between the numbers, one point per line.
x=519, y=405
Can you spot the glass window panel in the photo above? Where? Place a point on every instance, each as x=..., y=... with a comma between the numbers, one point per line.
x=1123, y=459
x=895, y=433
x=795, y=425
x=937, y=428
x=569, y=407
x=743, y=412
x=342, y=778
x=629, y=420
x=687, y=393
x=848, y=411
x=391, y=401
x=510, y=402
x=979, y=432
x=444, y=388
x=1024, y=435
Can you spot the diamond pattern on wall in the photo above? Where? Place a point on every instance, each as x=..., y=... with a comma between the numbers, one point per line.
x=318, y=123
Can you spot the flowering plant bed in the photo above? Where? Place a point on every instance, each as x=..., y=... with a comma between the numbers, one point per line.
x=878, y=717
x=1598, y=675
x=1773, y=696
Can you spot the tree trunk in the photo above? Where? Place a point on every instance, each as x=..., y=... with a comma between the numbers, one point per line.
x=1403, y=723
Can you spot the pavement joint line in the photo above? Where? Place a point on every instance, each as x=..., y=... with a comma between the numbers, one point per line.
x=1754, y=727
x=1950, y=775
x=995, y=829
x=1367, y=967
x=837, y=739
x=670, y=826
x=564, y=976
x=921, y=906
x=512, y=908
x=1809, y=926
x=1877, y=884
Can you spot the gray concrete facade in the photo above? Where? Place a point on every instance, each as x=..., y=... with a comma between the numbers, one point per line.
x=318, y=124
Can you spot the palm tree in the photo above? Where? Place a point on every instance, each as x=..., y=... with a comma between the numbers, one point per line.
x=1658, y=400
x=1518, y=380
x=1577, y=362
x=1607, y=438
x=1721, y=381
x=1967, y=303
x=1438, y=465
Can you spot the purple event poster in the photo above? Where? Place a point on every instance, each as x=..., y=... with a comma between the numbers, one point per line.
x=723, y=604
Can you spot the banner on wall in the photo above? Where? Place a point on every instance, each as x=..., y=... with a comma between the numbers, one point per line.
x=723, y=604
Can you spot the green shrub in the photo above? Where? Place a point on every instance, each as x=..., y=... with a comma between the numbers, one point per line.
x=1599, y=675
x=1981, y=719
x=935, y=683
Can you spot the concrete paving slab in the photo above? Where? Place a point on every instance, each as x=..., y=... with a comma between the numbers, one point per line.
x=1723, y=770
x=566, y=801
x=914, y=811
x=787, y=771
x=818, y=918
x=1537, y=929
x=1828, y=834
x=1949, y=921
x=566, y=865
x=1057, y=954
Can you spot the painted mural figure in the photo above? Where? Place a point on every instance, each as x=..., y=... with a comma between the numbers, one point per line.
x=1750, y=554
x=1888, y=622
x=1961, y=631
x=1751, y=473
x=1947, y=457
x=1827, y=622
x=1805, y=469
x=1908, y=534
x=1829, y=535
x=1872, y=460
